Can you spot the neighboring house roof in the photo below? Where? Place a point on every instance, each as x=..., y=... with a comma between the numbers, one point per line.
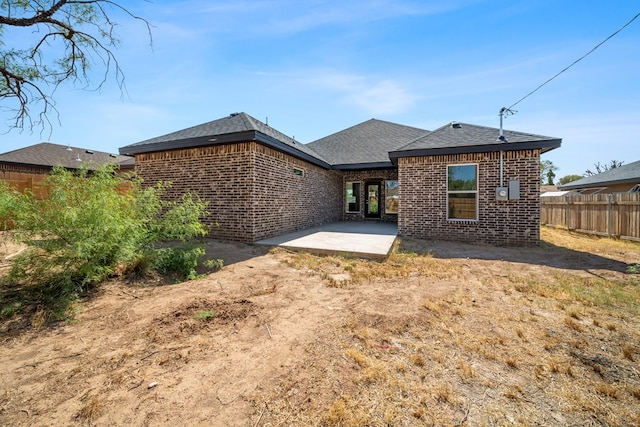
x=554, y=193
x=365, y=145
x=237, y=127
x=47, y=154
x=456, y=138
x=624, y=174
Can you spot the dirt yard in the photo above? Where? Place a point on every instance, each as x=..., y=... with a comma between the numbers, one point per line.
x=439, y=334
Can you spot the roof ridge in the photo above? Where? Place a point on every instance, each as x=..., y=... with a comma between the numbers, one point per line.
x=248, y=120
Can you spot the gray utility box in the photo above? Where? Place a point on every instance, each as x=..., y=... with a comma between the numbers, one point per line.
x=514, y=189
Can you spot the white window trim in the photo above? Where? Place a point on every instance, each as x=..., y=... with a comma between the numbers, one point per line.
x=464, y=192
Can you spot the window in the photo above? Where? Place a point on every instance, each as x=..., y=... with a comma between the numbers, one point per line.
x=391, y=197
x=353, y=197
x=462, y=192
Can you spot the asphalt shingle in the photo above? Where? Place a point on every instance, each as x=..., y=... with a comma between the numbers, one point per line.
x=47, y=154
x=620, y=175
x=236, y=124
x=367, y=142
x=464, y=135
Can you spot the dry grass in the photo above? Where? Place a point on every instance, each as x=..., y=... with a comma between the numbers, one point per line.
x=460, y=361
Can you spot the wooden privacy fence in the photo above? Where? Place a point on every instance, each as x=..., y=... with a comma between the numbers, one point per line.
x=612, y=215
x=23, y=182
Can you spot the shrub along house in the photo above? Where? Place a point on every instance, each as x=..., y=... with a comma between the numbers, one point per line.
x=460, y=182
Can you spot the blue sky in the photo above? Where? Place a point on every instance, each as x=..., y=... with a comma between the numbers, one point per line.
x=315, y=67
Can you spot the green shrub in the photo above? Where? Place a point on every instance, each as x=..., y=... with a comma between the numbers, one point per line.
x=9, y=204
x=97, y=224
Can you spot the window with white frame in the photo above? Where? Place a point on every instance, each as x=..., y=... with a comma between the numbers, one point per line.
x=462, y=192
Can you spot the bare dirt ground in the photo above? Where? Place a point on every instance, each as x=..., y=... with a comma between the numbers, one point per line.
x=439, y=334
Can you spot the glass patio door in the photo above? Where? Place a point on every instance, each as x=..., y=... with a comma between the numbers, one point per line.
x=372, y=199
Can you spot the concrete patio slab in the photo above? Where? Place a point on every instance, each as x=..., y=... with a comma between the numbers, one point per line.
x=364, y=239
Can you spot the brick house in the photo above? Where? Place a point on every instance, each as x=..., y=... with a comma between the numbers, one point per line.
x=459, y=182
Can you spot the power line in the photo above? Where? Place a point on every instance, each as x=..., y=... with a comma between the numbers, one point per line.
x=575, y=62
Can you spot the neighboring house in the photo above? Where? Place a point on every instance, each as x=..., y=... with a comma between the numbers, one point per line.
x=623, y=179
x=460, y=182
x=547, y=188
x=28, y=167
x=551, y=191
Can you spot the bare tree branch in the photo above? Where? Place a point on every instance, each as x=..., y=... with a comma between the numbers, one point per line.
x=71, y=36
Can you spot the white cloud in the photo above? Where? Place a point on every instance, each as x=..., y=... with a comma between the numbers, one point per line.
x=373, y=96
x=384, y=97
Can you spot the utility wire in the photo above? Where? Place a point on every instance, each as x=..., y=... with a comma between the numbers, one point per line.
x=576, y=61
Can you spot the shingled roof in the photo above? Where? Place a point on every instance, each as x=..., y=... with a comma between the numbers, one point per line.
x=371, y=144
x=237, y=127
x=48, y=155
x=456, y=138
x=624, y=174
x=365, y=145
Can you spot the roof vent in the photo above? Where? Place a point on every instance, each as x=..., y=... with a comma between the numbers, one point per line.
x=233, y=114
x=456, y=125
x=88, y=151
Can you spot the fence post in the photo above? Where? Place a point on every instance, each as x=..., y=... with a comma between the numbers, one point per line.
x=567, y=207
x=609, y=213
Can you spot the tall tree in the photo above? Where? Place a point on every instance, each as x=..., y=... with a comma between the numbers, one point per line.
x=45, y=43
x=603, y=168
x=547, y=172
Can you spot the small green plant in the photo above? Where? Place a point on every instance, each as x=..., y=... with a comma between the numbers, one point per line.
x=633, y=269
x=214, y=264
x=204, y=315
x=10, y=310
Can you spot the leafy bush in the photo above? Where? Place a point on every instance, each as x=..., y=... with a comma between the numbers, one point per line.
x=9, y=204
x=97, y=224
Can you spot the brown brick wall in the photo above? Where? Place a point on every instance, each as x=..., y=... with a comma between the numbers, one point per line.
x=286, y=202
x=423, y=198
x=362, y=176
x=251, y=189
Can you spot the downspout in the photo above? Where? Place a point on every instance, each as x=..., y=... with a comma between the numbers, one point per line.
x=501, y=168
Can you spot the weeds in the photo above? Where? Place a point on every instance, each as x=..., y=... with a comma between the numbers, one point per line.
x=204, y=315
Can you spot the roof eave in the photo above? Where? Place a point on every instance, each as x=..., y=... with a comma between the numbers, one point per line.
x=361, y=166
x=285, y=148
x=544, y=146
x=230, y=138
x=572, y=186
x=30, y=165
x=50, y=167
x=199, y=141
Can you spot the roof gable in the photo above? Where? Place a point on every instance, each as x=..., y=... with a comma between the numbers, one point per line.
x=47, y=154
x=237, y=127
x=457, y=138
x=365, y=144
x=629, y=173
